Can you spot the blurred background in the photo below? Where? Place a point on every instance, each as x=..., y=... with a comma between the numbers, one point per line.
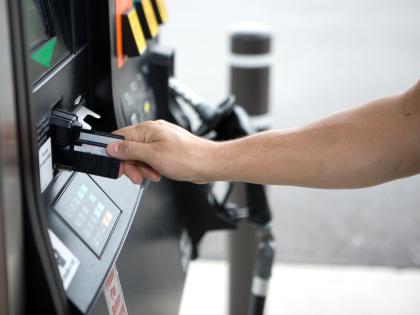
x=339, y=251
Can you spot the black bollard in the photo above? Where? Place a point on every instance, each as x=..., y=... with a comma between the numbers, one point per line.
x=250, y=46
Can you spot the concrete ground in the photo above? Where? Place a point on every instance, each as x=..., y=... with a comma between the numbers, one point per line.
x=301, y=289
x=328, y=56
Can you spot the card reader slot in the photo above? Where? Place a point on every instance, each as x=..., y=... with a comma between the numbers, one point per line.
x=81, y=150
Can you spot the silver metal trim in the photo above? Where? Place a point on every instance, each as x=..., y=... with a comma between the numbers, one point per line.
x=81, y=113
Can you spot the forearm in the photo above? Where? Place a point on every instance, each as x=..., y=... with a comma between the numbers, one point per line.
x=368, y=145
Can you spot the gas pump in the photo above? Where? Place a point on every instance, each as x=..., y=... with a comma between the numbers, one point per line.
x=92, y=243
x=80, y=70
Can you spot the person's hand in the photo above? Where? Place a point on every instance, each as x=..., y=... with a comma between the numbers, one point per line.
x=157, y=147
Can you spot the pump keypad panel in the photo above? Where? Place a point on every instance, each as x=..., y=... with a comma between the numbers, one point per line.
x=89, y=212
x=91, y=216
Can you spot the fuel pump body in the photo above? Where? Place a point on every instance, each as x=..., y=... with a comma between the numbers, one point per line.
x=68, y=55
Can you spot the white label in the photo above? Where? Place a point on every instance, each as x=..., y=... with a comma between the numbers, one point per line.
x=67, y=262
x=259, y=286
x=113, y=293
x=45, y=164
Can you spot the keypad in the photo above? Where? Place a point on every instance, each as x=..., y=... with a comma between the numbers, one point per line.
x=88, y=211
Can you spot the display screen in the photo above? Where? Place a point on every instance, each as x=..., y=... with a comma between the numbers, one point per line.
x=88, y=211
x=38, y=27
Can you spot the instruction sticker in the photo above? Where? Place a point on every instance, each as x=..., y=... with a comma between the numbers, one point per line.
x=66, y=261
x=45, y=164
x=114, y=297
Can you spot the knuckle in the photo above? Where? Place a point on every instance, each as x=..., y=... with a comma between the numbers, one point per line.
x=146, y=124
x=149, y=125
x=161, y=122
x=127, y=132
x=126, y=147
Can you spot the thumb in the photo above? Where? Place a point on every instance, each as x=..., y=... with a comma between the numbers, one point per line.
x=130, y=150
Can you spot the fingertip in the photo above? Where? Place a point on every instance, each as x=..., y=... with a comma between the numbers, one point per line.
x=112, y=148
x=155, y=177
x=137, y=180
x=133, y=173
x=149, y=173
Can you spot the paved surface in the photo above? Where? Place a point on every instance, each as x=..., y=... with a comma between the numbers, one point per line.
x=311, y=290
x=328, y=55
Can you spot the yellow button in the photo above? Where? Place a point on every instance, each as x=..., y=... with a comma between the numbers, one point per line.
x=147, y=107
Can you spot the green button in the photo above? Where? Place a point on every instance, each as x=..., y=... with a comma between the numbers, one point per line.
x=45, y=53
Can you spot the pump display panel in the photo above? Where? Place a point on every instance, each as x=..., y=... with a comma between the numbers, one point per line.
x=40, y=30
x=47, y=37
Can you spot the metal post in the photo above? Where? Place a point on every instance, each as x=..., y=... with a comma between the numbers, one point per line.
x=11, y=212
x=249, y=81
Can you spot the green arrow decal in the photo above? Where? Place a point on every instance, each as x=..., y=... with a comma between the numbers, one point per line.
x=45, y=53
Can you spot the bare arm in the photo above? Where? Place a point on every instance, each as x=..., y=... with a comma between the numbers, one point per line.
x=364, y=146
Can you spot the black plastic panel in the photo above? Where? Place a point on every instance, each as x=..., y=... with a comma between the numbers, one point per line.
x=149, y=265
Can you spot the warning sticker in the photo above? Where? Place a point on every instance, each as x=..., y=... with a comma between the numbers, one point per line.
x=113, y=294
x=134, y=21
x=45, y=164
x=150, y=17
x=66, y=261
x=163, y=12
